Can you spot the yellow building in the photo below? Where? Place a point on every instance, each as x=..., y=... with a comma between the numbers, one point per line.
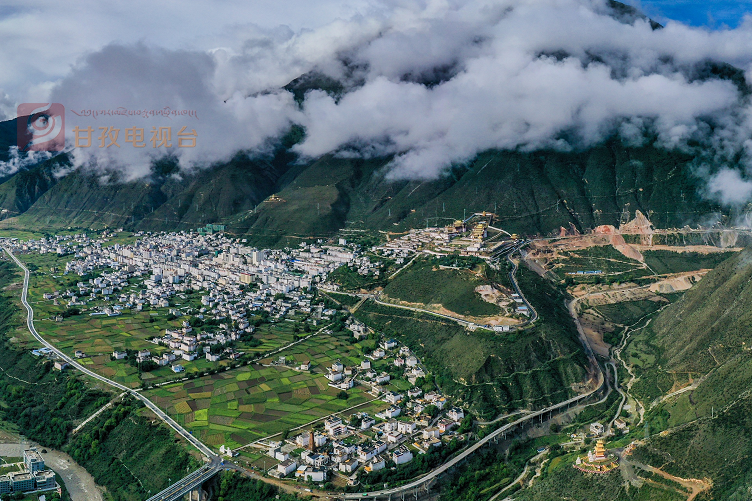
x=479, y=231
x=600, y=451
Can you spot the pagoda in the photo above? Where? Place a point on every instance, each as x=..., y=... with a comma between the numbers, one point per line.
x=599, y=454
x=598, y=460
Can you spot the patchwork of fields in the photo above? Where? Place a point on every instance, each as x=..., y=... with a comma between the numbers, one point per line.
x=242, y=405
x=239, y=406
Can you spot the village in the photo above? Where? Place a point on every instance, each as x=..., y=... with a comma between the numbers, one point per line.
x=231, y=284
x=236, y=281
x=414, y=423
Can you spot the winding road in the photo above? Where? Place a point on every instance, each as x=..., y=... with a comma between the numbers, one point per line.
x=177, y=489
x=148, y=403
x=215, y=465
x=471, y=450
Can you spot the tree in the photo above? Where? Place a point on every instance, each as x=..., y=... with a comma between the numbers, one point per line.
x=342, y=395
x=466, y=424
x=431, y=410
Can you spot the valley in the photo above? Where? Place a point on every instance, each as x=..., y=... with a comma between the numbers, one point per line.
x=484, y=321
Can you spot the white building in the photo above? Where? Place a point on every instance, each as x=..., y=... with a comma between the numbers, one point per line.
x=287, y=467
x=402, y=455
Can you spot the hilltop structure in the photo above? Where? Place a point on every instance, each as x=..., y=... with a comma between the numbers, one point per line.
x=598, y=460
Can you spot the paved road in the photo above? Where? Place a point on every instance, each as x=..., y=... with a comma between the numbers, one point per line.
x=621, y=392
x=513, y=279
x=164, y=417
x=429, y=312
x=470, y=450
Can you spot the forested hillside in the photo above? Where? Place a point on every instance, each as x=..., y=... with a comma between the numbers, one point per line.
x=532, y=193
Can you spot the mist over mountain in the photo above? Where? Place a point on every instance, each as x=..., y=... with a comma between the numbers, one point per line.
x=430, y=85
x=553, y=105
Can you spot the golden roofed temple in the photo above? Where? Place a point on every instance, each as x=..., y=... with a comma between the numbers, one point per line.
x=479, y=231
x=599, y=453
x=598, y=460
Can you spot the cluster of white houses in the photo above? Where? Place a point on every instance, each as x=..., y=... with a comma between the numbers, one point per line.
x=176, y=262
x=394, y=440
x=166, y=265
x=398, y=432
x=170, y=264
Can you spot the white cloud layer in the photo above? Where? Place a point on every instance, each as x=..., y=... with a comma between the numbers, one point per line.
x=430, y=82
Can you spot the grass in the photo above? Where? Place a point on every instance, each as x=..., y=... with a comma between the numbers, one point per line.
x=343, y=299
x=424, y=282
x=664, y=261
x=627, y=313
x=491, y=372
x=350, y=280
x=8, y=469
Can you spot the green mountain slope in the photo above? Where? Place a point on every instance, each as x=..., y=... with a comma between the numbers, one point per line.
x=492, y=373
x=713, y=321
x=531, y=193
x=23, y=189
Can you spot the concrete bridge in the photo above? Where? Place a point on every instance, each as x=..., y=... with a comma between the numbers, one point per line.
x=188, y=484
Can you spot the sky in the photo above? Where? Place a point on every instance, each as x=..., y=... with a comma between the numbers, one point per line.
x=714, y=14
x=429, y=83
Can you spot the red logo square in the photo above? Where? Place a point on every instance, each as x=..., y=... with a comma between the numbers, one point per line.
x=41, y=127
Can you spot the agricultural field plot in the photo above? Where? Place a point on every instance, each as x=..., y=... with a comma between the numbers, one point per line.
x=99, y=336
x=323, y=350
x=22, y=235
x=275, y=335
x=242, y=405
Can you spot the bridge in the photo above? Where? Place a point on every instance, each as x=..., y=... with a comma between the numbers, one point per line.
x=188, y=484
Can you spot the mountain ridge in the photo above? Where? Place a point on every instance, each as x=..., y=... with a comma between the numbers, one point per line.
x=531, y=193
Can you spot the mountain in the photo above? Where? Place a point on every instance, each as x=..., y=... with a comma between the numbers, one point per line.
x=531, y=193
x=703, y=345
x=693, y=367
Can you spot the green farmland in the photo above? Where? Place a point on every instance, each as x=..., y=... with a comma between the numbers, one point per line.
x=239, y=406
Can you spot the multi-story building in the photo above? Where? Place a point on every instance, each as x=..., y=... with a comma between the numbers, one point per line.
x=5, y=484
x=33, y=461
x=45, y=480
x=22, y=481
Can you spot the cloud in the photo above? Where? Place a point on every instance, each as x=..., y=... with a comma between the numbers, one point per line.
x=540, y=74
x=430, y=83
x=120, y=92
x=728, y=187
